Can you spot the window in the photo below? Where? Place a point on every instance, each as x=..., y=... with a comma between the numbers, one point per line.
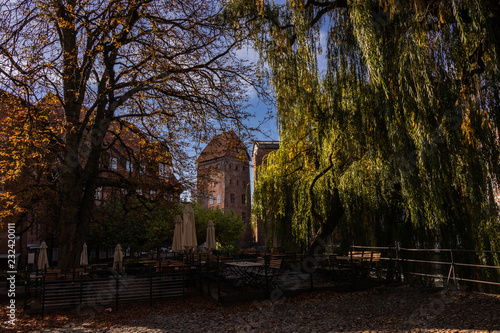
x=152, y=193
x=113, y=163
x=139, y=192
x=129, y=167
x=163, y=169
x=232, y=198
x=230, y=181
x=218, y=198
x=230, y=165
x=243, y=216
x=243, y=199
x=98, y=193
x=142, y=169
x=244, y=183
x=211, y=200
x=237, y=182
x=236, y=167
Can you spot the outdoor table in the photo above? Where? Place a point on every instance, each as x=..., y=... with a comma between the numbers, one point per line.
x=247, y=270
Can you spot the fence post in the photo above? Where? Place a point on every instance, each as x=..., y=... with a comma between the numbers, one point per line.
x=353, y=275
x=150, y=287
x=390, y=272
x=43, y=295
x=398, y=262
x=81, y=290
x=183, y=282
x=218, y=273
x=452, y=269
x=116, y=290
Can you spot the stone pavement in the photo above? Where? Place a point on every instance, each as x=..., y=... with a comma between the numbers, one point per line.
x=383, y=309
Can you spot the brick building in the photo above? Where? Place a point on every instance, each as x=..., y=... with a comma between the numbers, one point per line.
x=130, y=164
x=259, y=153
x=224, y=179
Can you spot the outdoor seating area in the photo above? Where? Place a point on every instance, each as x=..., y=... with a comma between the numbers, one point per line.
x=227, y=278
x=223, y=277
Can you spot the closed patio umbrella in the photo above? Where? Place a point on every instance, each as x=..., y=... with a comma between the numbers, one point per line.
x=189, y=233
x=118, y=258
x=84, y=259
x=210, y=236
x=177, y=241
x=43, y=260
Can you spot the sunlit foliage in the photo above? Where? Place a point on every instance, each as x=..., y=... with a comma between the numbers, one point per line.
x=164, y=68
x=388, y=116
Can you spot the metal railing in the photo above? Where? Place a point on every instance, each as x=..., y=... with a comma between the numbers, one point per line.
x=461, y=269
x=98, y=289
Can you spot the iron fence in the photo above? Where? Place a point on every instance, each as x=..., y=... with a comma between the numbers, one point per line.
x=95, y=290
x=474, y=270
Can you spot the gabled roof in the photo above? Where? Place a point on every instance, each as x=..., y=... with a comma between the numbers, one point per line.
x=227, y=144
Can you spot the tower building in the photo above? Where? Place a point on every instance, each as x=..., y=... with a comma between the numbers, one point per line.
x=224, y=179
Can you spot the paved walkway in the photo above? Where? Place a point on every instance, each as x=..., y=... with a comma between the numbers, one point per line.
x=383, y=309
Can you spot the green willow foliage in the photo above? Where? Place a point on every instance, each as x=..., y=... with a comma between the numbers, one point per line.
x=388, y=114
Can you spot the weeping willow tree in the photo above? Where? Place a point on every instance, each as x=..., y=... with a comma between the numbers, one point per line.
x=388, y=117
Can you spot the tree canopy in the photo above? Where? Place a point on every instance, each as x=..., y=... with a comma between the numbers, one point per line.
x=85, y=72
x=388, y=114
x=147, y=226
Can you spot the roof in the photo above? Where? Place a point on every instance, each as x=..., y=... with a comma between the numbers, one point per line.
x=265, y=145
x=227, y=144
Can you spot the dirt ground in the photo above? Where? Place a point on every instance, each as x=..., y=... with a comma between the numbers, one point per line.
x=381, y=309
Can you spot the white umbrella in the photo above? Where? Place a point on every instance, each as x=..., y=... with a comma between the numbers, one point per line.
x=210, y=236
x=43, y=260
x=177, y=241
x=84, y=259
x=117, y=261
x=189, y=233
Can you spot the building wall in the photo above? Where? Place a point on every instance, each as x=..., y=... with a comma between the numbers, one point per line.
x=224, y=179
x=156, y=178
x=229, y=178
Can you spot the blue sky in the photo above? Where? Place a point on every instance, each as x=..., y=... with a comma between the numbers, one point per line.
x=268, y=130
x=258, y=107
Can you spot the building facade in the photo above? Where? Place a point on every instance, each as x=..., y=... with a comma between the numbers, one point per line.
x=224, y=179
x=130, y=164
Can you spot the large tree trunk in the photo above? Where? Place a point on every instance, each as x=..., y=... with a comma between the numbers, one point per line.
x=77, y=191
x=74, y=223
x=328, y=224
